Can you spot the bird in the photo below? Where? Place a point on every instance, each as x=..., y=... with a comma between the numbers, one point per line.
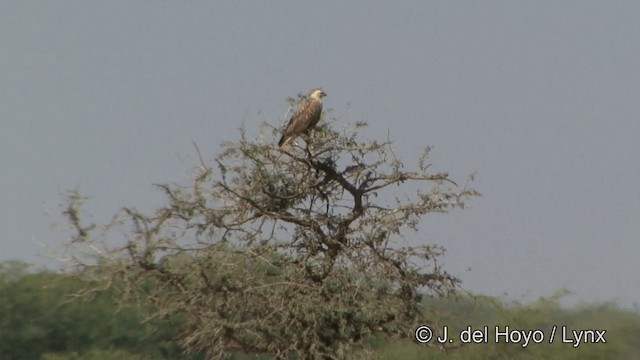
x=305, y=119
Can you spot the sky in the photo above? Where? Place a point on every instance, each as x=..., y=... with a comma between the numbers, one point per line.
x=540, y=100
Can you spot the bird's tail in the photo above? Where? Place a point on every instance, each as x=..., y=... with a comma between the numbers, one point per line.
x=283, y=141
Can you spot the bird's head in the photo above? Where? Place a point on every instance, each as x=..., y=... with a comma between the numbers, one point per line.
x=318, y=94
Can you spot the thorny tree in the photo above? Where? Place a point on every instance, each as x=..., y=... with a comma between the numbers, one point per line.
x=295, y=253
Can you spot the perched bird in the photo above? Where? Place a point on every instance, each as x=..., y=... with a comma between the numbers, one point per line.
x=305, y=119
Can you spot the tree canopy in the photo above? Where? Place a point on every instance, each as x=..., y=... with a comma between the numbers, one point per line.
x=297, y=252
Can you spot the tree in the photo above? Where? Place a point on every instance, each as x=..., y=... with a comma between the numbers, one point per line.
x=39, y=317
x=290, y=253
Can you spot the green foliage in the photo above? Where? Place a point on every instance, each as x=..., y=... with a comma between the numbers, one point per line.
x=99, y=354
x=39, y=314
x=622, y=329
x=38, y=320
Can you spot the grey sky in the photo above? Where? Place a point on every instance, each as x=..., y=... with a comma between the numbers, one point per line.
x=541, y=99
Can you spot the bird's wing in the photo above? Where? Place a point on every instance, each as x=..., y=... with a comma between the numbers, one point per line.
x=305, y=118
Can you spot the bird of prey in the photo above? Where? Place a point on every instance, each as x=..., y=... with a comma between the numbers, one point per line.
x=305, y=119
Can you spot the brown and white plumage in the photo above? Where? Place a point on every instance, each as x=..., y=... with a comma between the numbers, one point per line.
x=305, y=119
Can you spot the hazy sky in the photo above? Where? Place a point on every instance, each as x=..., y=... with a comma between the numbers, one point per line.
x=541, y=99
